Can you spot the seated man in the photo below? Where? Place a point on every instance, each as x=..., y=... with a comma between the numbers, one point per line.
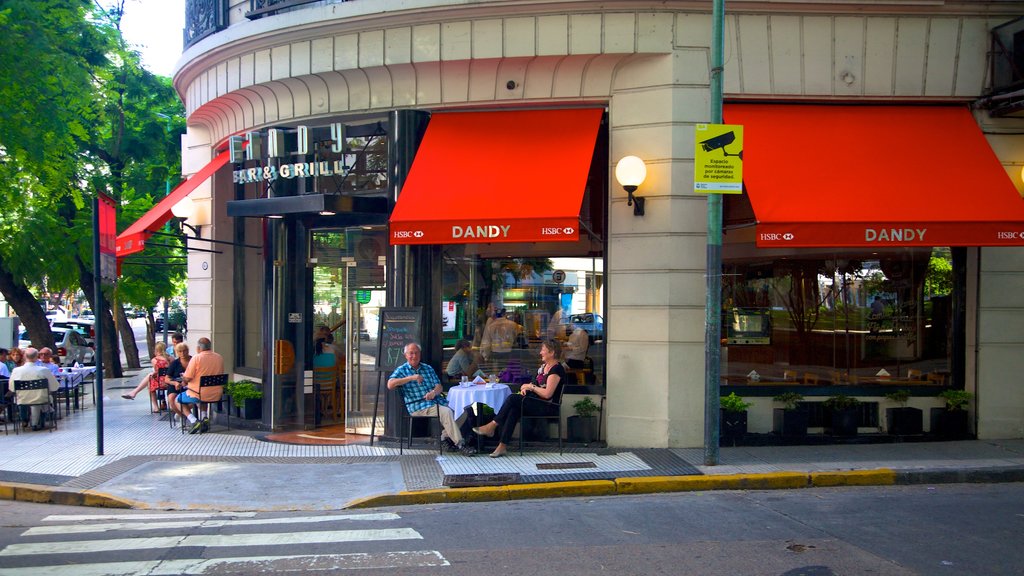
x=462, y=363
x=206, y=362
x=46, y=360
x=32, y=370
x=421, y=389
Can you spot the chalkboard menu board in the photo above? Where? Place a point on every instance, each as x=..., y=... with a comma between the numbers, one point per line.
x=398, y=327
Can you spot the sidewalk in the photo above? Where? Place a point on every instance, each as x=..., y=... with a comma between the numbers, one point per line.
x=146, y=464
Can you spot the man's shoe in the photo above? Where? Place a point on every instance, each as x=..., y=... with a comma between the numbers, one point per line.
x=195, y=427
x=468, y=450
x=206, y=425
x=448, y=445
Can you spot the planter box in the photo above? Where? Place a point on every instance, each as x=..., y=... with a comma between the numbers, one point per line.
x=581, y=429
x=904, y=421
x=790, y=422
x=844, y=422
x=950, y=425
x=251, y=409
x=732, y=427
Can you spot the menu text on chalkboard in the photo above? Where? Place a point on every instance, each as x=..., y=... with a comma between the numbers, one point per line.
x=398, y=327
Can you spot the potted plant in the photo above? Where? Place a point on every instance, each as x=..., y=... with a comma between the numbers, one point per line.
x=583, y=426
x=791, y=419
x=845, y=414
x=902, y=421
x=247, y=396
x=950, y=422
x=733, y=419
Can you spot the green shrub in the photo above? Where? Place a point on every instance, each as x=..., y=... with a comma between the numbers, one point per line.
x=899, y=396
x=244, y=390
x=733, y=403
x=789, y=399
x=841, y=402
x=586, y=407
x=956, y=399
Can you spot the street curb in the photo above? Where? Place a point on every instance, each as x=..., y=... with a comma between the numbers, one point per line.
x=636, y=485
x=40, y=494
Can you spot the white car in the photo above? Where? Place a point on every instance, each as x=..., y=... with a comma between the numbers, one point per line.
x=70, y=346
x=86, y=329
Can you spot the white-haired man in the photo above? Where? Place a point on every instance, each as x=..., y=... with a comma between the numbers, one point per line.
x=422, y=391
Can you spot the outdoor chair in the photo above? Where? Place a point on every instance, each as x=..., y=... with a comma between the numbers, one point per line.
x=407, y=420
x=36, y=393
x=211, y=390
x=161, y=394
x=325, y=384
x=553, y=405
x=6, y=406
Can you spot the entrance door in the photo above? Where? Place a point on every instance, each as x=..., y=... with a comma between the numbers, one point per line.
x=348, y=292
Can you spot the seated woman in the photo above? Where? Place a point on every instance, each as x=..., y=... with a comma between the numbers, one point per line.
x=549, y=378
x=174, y=372
x=152, y=380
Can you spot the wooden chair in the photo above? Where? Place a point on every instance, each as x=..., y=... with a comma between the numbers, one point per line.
x=211, y=390
x=789, y=375
x=325, y=383
x=936, y=378
x=913, y=374
x=555, y=405
x=408, y=418
x=810, y=378
x=836, y=377
x=27, y=393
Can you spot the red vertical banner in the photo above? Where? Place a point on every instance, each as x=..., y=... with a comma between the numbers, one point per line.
x=108, y=236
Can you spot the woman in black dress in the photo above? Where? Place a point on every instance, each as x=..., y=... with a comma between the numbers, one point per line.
x=549, y=378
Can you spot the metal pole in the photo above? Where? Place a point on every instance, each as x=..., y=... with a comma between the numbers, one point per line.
x=166, y=306
x=713, y=310
x=97, y=286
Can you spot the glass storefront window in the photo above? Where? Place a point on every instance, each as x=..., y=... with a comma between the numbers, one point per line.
x=840, y=317
x=505, y=306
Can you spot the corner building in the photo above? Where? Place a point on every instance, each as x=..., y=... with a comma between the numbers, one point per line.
x=384, y=147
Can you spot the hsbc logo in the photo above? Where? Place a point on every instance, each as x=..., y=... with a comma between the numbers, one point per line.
x=406, y=234
x=775, y=236
x=552, y=231
x=1010, y=235
x=418, y=234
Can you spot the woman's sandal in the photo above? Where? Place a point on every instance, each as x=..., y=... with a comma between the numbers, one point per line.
x=479, y=432
x=127, y=396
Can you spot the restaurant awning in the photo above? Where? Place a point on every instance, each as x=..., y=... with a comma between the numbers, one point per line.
x=857, y=176
x=508, y=176
x=133, y=239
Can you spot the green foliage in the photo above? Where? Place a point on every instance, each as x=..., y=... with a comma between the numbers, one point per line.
x=899, y=396
x=789, y=399
x=733, y=403
x=956, y=399
x=841, y=402
x=939, y=279
x=586, y=407
x=243, y=390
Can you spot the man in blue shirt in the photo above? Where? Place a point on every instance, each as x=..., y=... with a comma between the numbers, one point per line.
x=422, y=391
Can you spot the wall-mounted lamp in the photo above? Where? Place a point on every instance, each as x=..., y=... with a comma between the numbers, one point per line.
x=631, y=172
x=184, y=210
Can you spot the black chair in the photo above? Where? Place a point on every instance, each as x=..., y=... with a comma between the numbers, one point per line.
x=6, y=406
x=554, y=406
x=408, y=418
x=211, y=390
x=161, y=393
x=21, y=391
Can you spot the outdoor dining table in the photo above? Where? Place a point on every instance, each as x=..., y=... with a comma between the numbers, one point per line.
x=462, y=396
x=72, y=381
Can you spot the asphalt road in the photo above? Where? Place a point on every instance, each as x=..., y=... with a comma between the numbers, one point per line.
x=946, y=529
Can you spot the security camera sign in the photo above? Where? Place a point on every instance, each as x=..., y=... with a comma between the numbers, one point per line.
x=718, y=159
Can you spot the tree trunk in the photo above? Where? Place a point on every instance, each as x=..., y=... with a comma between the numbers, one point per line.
x=111, y=352
x=151, y=333
x=30, y=313
x=131, y=351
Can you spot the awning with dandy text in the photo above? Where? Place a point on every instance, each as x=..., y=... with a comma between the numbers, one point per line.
x=856, y=176
x=510, y=176
x=133, y=239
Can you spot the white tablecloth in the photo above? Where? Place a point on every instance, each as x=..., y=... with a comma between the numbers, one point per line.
x=459, y=397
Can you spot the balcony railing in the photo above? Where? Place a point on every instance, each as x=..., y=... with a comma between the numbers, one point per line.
x=202, y=18
x=260, y=8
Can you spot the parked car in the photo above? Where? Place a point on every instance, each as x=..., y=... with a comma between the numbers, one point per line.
x=83, y=327
x=592, y=323
x=69, y=345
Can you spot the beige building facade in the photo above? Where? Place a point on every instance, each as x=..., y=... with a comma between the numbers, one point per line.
x=649, y=66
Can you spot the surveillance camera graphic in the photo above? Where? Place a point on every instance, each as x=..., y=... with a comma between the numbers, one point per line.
x=720, y=142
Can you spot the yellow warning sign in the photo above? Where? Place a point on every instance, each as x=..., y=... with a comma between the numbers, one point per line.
x=718, y=161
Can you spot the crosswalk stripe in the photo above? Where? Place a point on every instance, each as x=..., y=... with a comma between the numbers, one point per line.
x=210, y=541
x=162, y=516
x=247, y=565
x=113, y=526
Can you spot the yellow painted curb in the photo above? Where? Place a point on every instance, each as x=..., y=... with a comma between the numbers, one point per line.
x=767, y=481
x=562, y=489
x=6, y=492
x=56, y=495
x=879, y=477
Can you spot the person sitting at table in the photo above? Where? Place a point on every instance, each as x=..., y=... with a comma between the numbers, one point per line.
x=422, y=392
x=576, y=348
x=152, y=379
x=549, y=377
x=462, y=363
x=33, y=370
x=17, y=357
x=174, y=372
x=46, y=360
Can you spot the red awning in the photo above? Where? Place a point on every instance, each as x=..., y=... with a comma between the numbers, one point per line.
x=514, y=176
x=133, y=239
x=874, y=176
